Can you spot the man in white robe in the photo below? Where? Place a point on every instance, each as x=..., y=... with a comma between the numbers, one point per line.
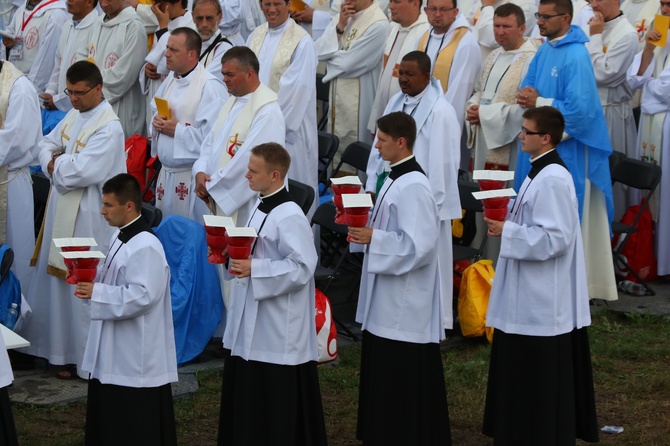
x=352, y=47
x=650, y=72
x=193, y=95
x=118, y=46
x=130, y=351
x=250, y=117
x=437, y=150
x=287, y=58
x=399, y=304
x=84, y=150
x=171, y=14
x=20, y=131
x=540, y=386
x=481, y=17
x=408, y=24
x=207, y=15
x=454, y=53
x=72, y=47
x=271, y=331
x=36, y=26
x=640, y=14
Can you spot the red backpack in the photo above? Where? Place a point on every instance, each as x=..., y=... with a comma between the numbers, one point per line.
x=639, y=250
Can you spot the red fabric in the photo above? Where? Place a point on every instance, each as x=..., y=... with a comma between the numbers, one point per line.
x=326, y=331
x=138, y=162
x=639, y=250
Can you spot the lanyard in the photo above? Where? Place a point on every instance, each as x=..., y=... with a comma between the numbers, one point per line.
x=26, y=21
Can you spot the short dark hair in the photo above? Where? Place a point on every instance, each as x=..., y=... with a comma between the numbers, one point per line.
x=509, y=9
x=84, y=71
x=561, y=6
x=125, y=188
x=422, y=60
x=184, y=3
x=276, y=157
x=216, y=4
x=399, y=125
x=244, y=57
x=453, y=1
x=192, y=38
x=548, y=120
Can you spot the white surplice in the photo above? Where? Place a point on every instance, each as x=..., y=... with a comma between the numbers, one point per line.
x=437, y=150
x=214, y=64
x=297, y=99
x=118, y=47
x=58, y=327
x=19, y=136
x=131, y=339
x=236, y=23
x=72, y=47
x=271, y=317
x=179, y=152
x=656, y=100
x=540, y=284
x=40, y=39
x=399, y=295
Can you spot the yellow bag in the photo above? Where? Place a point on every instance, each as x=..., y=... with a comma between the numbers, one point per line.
x=473, y=299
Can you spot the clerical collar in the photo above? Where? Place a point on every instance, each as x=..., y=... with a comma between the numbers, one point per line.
x=404, y=166
x=181, y=76
x=271, y=201
x=414, y=100
x=133, y=228
x=544, y=160
x=614, y=18
x=555, y=40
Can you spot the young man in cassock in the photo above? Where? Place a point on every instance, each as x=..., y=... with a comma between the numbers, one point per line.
x=540, y=388
x=401, y=401
x=270, y=392
x=130, y=351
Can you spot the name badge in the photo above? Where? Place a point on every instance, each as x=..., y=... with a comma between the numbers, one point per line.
x=16, y=53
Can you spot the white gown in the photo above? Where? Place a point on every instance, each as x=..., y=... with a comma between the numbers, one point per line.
x=58, y=327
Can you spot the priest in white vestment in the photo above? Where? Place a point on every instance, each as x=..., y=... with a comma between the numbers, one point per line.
x=207, y=15
x=437, y=150
x=481, y=17
x=84, y=150
x=72, y=47
x=118, y=47
x=402, y=397
x=20, y=131
x=650, y=72
x=287, y=58
x=172, y=14
x=193, y=95
x=352, y=47
x=640, y=14
x=612, y=47
x=130, y=351
x=408, y=24
x=36, y=26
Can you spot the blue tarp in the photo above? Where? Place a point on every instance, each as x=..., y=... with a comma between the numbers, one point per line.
x=196, y=293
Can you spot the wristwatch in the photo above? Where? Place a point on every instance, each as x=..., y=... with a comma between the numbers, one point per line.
x=338, y=30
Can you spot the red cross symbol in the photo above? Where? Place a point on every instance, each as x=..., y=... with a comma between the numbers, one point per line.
x=160, y=192
x=181, y=190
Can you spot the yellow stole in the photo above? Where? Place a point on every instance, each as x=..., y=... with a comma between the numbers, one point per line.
x=445, y=58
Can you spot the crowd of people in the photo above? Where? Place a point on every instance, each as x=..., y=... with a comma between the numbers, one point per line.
x=226, y=91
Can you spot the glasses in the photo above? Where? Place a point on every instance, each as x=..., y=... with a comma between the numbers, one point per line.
x=525, y=131
x=665, y=4
x=77, y=94
x=545, y=17
x=433, y=9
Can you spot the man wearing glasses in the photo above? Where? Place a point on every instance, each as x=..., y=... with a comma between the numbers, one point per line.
x=561, y=75
x=84, y=150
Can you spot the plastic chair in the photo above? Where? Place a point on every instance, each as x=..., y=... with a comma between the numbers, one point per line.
x=469, y=203
x=323, y=95
x=356, y=155
x=328, y=144
x=639, y=175
x=301, y=194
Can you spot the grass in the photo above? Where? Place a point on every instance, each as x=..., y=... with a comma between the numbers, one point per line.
x=631, y=362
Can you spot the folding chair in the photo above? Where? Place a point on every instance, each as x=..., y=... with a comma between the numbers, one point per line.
x=328, y=144
x=152, y=214
x=41, y=187
x=469, y=203
x=334, y=254
x=322, y=94
x=639, y=175
x=301, y=194
x=356, y=155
